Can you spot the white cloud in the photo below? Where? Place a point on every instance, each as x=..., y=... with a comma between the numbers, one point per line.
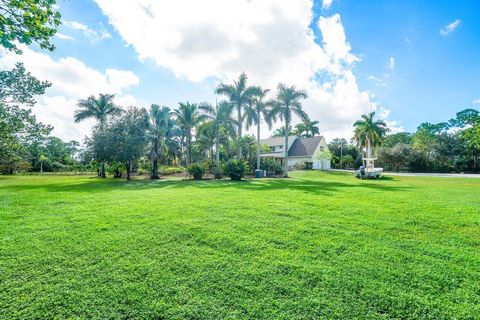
x=92, y=35
x=268, y=39
x=71, y=80
x=449, y=28
x=391, y=64
x=477, y=101
x=326, y=4
x=62, y=36
x=378, y=81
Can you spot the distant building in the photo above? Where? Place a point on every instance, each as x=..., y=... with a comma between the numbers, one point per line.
x=300, y=150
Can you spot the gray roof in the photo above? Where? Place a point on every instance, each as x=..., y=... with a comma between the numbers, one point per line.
x=304, y=147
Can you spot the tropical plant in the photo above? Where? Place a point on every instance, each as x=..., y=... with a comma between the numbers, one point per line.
x=311, y=128
x=240, y=96
x=188, y=116
x=159, y=123
x=235, y=169
x=287, y=104
x=369, y=133
x=280, y=132
x=218, y=120
x=100, y=109
x=196, y=170
x=257, y=108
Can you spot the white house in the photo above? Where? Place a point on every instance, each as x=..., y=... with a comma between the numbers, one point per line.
x=300, y=150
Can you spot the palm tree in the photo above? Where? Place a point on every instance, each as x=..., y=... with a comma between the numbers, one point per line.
x=369, y=133
x=280, y=132
x=159, y=123
x=239, y=96
x=188, y=117
x=311, y=128
x=287, y=104
x=257, y=108
x=218, y=119
x=300, y=130
x=99, y=109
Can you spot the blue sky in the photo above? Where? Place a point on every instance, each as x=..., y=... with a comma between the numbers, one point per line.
x=412, y=61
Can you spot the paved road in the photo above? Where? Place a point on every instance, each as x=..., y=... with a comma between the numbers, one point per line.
x=441, y=175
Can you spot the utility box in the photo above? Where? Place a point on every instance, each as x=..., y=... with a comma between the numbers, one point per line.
x=258, y=173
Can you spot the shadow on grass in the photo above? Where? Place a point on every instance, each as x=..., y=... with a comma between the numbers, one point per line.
x=314, y=186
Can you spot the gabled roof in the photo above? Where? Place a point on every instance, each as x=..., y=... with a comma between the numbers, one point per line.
x=304, y=147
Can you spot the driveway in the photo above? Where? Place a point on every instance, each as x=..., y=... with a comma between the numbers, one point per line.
x=411, y=174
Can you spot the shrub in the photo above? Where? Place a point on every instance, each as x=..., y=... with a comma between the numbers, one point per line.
x=196, y=170
x=235, y=169
x=172, y=170
x=308, y=165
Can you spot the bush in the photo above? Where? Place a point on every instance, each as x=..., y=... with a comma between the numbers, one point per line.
x=196, y=170
x=308, y=165
x=235, y=169
x=172, y=170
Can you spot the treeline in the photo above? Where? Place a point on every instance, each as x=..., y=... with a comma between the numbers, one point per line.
x=451, y=146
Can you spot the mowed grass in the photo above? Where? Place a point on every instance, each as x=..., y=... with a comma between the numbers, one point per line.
x=315, y=246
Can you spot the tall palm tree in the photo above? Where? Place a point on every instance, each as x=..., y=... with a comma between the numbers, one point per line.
x=369, y=133
x=159, y=123
x=218, y=119
x=188, y=117
x=258, y=108
x=280, y=132
x=239, y=95
x=311, y=128
x=286, y=105
x=99, y=109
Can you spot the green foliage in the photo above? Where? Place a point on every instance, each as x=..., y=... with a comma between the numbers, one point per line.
x=171, y=170
x=395, y=157
x=311, y=247
x=235, y=169
x=369, y=130
x=28, y=21
x=196, y=170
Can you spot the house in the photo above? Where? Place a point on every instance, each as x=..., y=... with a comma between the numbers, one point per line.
x=300, y=150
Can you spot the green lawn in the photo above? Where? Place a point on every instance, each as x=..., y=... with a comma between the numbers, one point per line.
x=314, y=246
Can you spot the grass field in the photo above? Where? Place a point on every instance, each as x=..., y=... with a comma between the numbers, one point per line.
x=317, y=245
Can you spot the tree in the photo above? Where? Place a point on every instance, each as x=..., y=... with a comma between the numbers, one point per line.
x=18, y=126
x=159, y=123
x=396, y=156
x=425, y=138
x=311, y=128
x=280, y=132
x=218, y=119
x=100, y=109
x=257, y=108
x=323, y=156
x=240, y=96
x=396, y=138
x=188, y=117
x=286, y=105
x=128, y=138
x=28, y=21
x=369, y=133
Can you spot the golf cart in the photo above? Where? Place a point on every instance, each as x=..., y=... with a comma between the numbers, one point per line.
x=368, y=170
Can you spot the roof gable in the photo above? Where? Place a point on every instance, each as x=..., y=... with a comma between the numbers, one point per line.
x=304, y=147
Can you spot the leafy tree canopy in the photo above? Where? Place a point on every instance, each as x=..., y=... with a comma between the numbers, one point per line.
x=28, y=21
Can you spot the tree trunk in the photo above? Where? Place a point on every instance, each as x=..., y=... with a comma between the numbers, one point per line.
x=129, y=168
x=155, y=169
x=258, y=141
x=102, y=170
x=240, y=125
x=41, y=166
x=285, y=165
x=155, y=162
x=369, y=153
x=189, y=149
x=217, y=157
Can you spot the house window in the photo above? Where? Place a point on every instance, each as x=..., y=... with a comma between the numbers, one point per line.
x=321, y=148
